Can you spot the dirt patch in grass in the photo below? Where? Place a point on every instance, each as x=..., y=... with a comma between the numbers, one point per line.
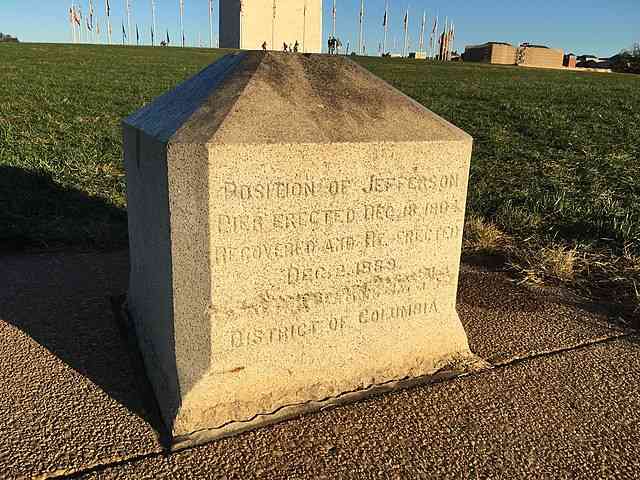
x=600, y=276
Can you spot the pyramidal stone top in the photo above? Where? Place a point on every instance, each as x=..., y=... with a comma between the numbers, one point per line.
x=258, y=97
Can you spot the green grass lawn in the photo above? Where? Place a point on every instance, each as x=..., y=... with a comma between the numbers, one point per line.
x=554, y=179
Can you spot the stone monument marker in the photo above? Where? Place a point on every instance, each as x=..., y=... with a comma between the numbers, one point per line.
x=295, y=230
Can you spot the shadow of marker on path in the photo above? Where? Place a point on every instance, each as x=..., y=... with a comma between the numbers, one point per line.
x=38, y=213
x=64, y=300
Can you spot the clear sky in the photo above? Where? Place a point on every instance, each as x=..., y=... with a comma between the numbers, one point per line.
x=600, y=27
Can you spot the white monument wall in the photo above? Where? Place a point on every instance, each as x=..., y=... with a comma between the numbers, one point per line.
x=257, y=24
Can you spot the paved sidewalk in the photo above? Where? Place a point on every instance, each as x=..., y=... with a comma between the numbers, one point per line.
x=562, y=402
x=570, y=415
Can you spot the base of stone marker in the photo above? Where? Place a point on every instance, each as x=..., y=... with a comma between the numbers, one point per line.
x=462, y=367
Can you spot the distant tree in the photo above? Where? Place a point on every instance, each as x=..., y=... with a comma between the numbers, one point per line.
x=627, y=61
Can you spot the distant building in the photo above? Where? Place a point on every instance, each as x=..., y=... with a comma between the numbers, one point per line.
x=591, y=61
x=527, y=55
x=570, y=60
x=587, y=58
x=8, y=38
x=539, y=56
x=418, y=55
x=498, y=53
x=247, y=24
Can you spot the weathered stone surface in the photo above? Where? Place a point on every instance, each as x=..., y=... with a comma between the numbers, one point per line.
x=295, y=231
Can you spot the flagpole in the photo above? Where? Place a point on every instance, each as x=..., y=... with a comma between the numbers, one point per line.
x=128, y=13
x=210, y=23
x=431, y=38
x=443, y=39
x=92, y=24
x=76, y=23
x=79, y=22
x=333, y=20
x=446, y=41
x=273, y=27
x=304, y=26
x=440, y=43
x=73, y=36
x=435, y=38
x=386, y=26
x=95, y=25
x=153, y=23
x=107, y=9
x=453, y=36
x=360, y=37
x=182, y=21
x=406, y=33
x=72, y=21
x=446, y=51
x=424, y=21
x=86, y=30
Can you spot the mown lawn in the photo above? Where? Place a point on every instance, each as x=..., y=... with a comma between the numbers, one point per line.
x=556, y=153
x=555, y=172
x=62, y=178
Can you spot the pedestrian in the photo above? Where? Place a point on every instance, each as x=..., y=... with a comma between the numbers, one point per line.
x=285, y=47
x=295, y=47
x=264, y=46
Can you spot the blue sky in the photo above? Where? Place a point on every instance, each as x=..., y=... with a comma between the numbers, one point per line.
x=583, y=26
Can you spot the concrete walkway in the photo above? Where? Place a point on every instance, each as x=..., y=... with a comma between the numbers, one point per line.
x=562, y=401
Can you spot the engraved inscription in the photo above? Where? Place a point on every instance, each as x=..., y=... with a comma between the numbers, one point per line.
x=335, y=325
x=278, y=190
x=275, y=302
x=330, y=255
x=297, y=274
x=239, y=225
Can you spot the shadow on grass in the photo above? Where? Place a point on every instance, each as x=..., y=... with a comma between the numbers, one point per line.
x=38, y=213
x=64, y=300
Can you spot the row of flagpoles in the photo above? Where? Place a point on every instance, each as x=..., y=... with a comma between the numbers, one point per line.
x=89, y=28
x=441, y=45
